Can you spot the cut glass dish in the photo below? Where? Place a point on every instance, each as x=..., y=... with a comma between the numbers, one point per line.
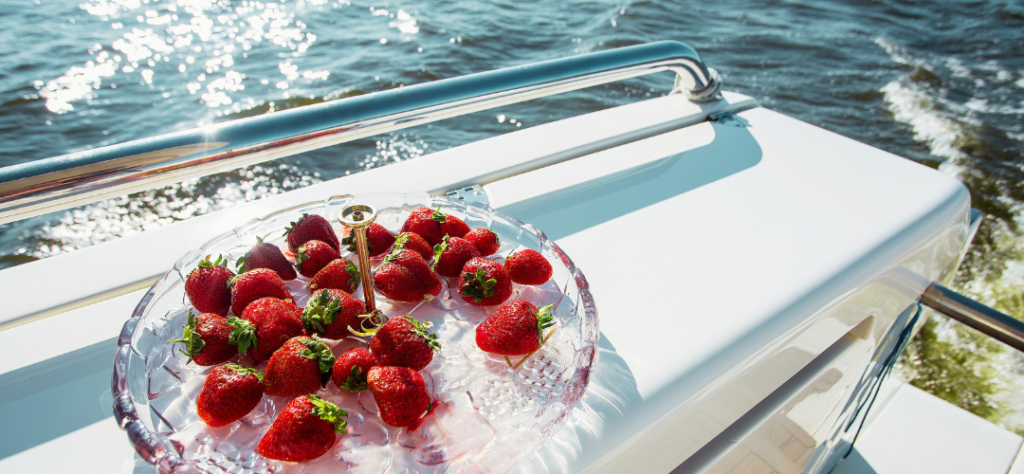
x=486, y=416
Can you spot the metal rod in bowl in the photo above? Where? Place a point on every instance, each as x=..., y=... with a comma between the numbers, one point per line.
x=357, y=217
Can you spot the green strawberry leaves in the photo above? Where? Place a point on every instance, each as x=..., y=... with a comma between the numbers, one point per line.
x=545, y=319
x=243, y=335
x=438, y=250
x=477, y=285
x=354, y=278
x=193, y=341
x=243, y=370
x=350, y=243
x=220, y=262
x=438, y=216
x=318, y=351
x=320, y=311
x=356, y=381
x=421, y=330
x=288, y=230
x=300, y=256
x=328, y=411
x=397, y=248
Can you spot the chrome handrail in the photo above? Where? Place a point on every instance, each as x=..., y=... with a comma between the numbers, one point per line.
x=986, y=320
x=77, y=179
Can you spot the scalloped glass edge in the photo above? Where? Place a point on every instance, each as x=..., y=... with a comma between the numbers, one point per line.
x=158, y=452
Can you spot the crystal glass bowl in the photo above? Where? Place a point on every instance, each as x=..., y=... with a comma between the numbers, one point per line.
x=487, y=416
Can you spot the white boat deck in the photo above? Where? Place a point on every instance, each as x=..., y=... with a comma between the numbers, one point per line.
x=775, y=281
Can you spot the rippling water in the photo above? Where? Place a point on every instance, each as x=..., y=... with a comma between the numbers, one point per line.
x=941, y=84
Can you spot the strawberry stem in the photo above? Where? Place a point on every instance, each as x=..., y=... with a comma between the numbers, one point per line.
x=243, y=370
x=438, y=250
x=328, y=411
x=353, y=272
x=356, y=381
x=193, y=341
x=438, y=216
x=421, y=330
x=243, y=335
x=477, y=285
x=321, y=311
x=318, y=351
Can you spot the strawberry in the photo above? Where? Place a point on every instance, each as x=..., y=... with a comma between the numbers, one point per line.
x=264, y=255
x=400, y=394
x=484, y=282
x=265, y=326
x=411, y=241
x=451, y=254
x=255, y=284
x=310, y=227
x=517, y=328
x=351, y=368
x=378, y=239
x=302, y=365
x=434, y=225
x=485, y=240
x=340, y=274
x=404, y=342
x=229, y=393
x=405, y=276
x=313, y=256
x=528, y=267
x=331, y=312
x=207, y=339
x=207, y=286
x=305, y=430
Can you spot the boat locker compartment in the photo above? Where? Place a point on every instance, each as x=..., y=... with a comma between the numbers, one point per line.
x=728, y=248
x=724, y=258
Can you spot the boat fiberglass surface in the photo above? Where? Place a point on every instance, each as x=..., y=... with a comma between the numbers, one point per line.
x=750, y=271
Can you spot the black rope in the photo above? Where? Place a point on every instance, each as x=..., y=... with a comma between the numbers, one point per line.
x=887, y=367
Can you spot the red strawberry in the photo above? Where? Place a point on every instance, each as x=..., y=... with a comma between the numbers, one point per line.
x=434, y=225
x=255, y=284
x=451, y=254
x=264, y=255
x=302, y=365
x=411, y=241
x=340, y=274
x=229, y=393
x=453, y=226
x=265, y=326
x=404, y=342
x=313, y=256
x=207, y=286
x=305, y=430
x=485, y=240
x=484, y=282
x=207, y=339
x=351, y=368
x=528, y=267
x=310, y=227
x=517, y=328
x=400, y=394
x=405, y=276
x=331, y=312
x=378, y=239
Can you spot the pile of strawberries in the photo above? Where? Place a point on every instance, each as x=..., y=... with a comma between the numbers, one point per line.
x=266, y=325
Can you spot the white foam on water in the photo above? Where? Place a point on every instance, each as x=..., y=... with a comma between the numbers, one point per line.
x=912, y=106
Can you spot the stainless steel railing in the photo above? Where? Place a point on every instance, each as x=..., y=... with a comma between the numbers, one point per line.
x=986, y=320
x=67, y=181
